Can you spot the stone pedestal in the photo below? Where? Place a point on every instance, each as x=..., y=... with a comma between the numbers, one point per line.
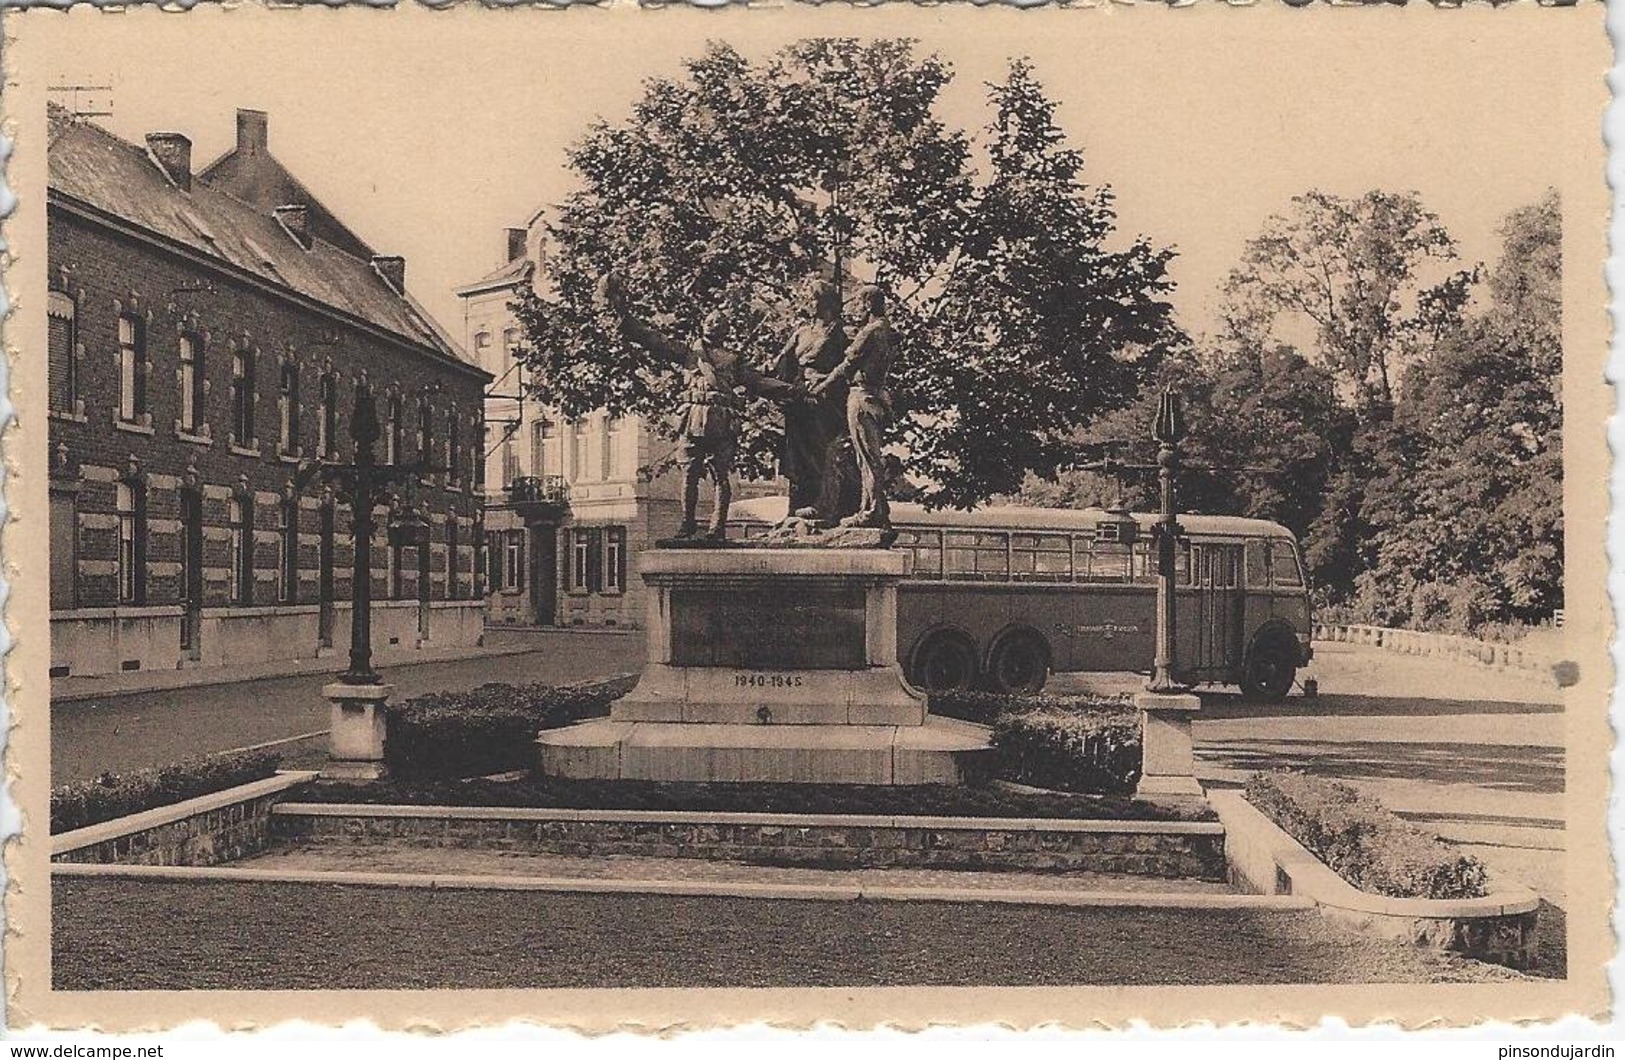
x=774, y=665
x=356, y=741
x=1165, y=727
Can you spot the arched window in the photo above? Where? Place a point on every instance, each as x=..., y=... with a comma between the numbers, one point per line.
x=395, y=430
x=132, y=369
x=288, y=551
x=287, y=400
x=242, y=396
x=64, y=353
x=242, y=548
x=327, y=422
x=130, y=502
x=191, y=383
x=425, y=430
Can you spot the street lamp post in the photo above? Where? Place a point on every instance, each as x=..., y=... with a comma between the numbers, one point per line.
x=356, y=742
x=1168, y=430
x=1166, y=706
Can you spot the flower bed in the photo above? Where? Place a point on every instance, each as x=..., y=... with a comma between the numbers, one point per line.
x=114, y=795
x=1362, y=841
x=491, y=729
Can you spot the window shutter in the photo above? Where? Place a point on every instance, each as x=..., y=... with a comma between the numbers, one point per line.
x=493, y=562
x=519, y=575
x=61, y=363
x=620, y=558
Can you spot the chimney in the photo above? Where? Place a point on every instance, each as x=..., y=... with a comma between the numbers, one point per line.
x=173, y=153
x=253, y=133
x=296, y=219
x=516, y=243
x=393, y=269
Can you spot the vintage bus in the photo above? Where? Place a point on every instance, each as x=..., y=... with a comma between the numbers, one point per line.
x=1001, y=597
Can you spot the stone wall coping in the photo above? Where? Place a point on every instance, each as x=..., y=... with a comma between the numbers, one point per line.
x=1313, y=878
x=119, y=827
x=764, y=562
x=693, y=888
x=780, y=820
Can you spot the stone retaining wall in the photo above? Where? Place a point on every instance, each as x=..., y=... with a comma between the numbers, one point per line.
x=1172, y=849
x=207, y=830
x=1499, y=927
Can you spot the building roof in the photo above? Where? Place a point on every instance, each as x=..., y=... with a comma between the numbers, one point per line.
x=92, y=167
x=513, y=274
x=260, y=180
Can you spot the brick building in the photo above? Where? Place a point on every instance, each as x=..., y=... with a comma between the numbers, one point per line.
x=207, y=334
x=570, y=504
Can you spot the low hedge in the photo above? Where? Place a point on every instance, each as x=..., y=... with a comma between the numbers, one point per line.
x=1066, y=749
x=114, y=795
x=985, y=708
x=1363, y=841
x=491, y=729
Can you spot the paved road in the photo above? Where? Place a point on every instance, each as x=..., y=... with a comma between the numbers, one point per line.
x=149, y=728
x=1474, y=754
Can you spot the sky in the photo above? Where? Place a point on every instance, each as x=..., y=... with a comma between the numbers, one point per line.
x=429, y=132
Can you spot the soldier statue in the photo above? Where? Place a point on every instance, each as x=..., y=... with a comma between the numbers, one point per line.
x=817, y=457
x=868, y=406
x=712, y=401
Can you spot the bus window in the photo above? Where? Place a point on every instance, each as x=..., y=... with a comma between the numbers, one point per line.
x=1145, y=565
x=925, y=547
x=1040, y=557
x=1257, y=564
x=977, y=556
x=1284, y=565
x=1108, y=562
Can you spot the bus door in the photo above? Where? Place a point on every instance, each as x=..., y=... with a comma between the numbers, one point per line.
x=1211, y=624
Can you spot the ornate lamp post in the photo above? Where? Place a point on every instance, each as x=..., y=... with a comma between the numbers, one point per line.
x=356, y=744
x=1166, y=706
x=1168, y=430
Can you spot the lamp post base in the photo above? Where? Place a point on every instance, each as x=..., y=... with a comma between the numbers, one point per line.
x=1168, y=766
x=356, y=740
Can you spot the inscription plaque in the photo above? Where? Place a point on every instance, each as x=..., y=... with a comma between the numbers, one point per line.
x=769, y=629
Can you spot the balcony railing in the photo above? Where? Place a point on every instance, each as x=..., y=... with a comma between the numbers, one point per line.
x=539, y=489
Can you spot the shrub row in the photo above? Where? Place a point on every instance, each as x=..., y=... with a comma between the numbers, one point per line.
x=491, y=729
x=985, y=708
x=1066, y=749
x=1363, y=841
x=114, y=795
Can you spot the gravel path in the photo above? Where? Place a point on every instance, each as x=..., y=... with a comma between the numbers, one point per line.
x=148, y=935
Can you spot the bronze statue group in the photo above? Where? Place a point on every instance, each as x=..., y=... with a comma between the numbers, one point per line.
x=834, y=400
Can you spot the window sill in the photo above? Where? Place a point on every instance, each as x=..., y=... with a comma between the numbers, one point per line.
x=243, y=450
x=133, y=428
x=289, y=458
x=69, y=417
x=193, y=439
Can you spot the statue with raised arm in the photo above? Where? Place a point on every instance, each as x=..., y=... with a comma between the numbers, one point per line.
x=817, y=457
x=868, y=406
x=714, y=383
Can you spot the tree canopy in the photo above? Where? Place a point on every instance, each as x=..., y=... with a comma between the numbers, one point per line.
x=1021, y=315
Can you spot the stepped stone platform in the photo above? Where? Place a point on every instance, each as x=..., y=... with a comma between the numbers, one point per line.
x=774, y=665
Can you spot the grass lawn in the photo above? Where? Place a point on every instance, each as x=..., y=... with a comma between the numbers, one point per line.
x=928, y=800
x=122, y=934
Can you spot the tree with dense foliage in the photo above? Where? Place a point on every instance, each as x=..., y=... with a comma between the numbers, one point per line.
x=1354, y=270
x=736, y=186
x=1466, y=506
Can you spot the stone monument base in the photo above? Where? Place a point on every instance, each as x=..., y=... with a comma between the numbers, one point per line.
x=1169, y=768
x=941, y=751
x=772, y=665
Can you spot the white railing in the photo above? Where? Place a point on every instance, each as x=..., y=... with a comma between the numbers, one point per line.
x=1411, y=642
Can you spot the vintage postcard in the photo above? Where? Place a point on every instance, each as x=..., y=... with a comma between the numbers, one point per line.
x=645, y=518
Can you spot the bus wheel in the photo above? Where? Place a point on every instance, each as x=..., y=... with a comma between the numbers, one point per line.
x=1270, y=671
x=946, y=662
x=1020, y=664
